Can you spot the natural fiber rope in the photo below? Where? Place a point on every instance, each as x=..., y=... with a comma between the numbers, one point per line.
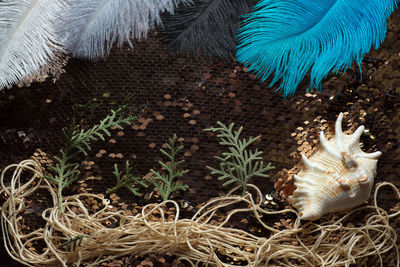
x=194, y=240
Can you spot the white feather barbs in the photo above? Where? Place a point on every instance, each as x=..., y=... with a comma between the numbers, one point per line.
x=33, y=31
x=338, y=177
x=91, y=27
x=28, y=37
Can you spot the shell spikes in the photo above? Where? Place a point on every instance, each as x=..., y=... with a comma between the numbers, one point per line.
x=337, y=177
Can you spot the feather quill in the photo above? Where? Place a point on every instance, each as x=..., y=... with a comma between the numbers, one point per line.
x=207, y=27
x=28, y=37
x=91, y=27
x=292, y=37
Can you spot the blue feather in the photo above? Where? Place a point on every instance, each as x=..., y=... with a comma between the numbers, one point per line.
x=293, y=37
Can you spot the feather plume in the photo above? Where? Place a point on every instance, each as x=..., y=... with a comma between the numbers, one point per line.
x=53, y=69
x=293, y=37
x=207, y=27
x=28, y=37
x=91, y=27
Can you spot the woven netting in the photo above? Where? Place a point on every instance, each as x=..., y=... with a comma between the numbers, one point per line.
x=178, y=94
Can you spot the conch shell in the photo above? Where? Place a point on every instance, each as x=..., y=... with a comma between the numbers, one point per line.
x=337, y=177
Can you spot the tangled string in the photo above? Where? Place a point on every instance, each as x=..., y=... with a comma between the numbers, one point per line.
x=195, y=240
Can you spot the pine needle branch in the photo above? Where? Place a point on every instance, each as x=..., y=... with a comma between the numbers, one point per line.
x=165, y=182
x=127, y=180
x=238, y=165
x=77, y=143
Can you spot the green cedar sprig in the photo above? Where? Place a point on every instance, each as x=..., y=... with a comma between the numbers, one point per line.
x=165, y=182
x=128, y=180
x=78, y=142
x=239, y=164
x=72, y=243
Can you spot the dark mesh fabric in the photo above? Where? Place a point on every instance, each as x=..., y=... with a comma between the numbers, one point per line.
x=178, y=94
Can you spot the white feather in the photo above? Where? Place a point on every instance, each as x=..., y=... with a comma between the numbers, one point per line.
x=91, y=27
x=28, y=37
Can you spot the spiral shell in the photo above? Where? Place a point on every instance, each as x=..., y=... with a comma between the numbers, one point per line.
x=337, y=177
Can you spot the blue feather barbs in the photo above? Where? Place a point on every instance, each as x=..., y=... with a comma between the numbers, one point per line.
x=293, y=37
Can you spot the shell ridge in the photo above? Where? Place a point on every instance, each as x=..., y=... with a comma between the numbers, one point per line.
x=355, y=138
x=325, y=145
x=373, y=155
x=338, y=125
x=309, y=164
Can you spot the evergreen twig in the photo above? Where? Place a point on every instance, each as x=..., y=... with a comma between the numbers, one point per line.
x=126, y=180
x=77, y=142
x=75, y=241
x=164, y=182
x=239, y=164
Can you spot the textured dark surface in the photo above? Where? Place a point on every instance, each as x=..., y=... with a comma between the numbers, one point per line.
x=178, y=94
